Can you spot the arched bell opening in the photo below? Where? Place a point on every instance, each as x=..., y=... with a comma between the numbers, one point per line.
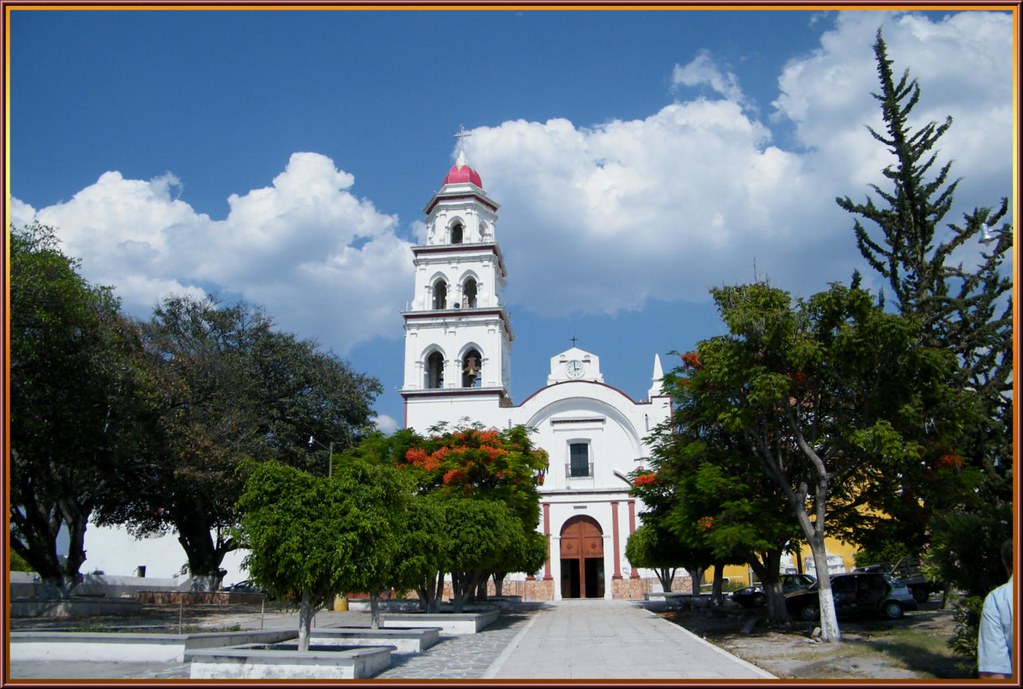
x=440, y=295
x=472, y=369
x=435, y=371
x=469, y=290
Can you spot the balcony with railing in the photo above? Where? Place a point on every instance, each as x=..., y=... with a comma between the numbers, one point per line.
x=579, y=470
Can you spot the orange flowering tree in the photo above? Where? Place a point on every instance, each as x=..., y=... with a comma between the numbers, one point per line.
x=478, y=464
x=472, y=461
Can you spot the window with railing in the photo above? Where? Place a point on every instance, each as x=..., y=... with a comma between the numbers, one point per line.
x=579, y=464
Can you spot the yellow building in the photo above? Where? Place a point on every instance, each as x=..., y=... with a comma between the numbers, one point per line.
x=840, y=559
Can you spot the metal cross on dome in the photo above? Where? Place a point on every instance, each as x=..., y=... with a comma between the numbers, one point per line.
x=461, y=136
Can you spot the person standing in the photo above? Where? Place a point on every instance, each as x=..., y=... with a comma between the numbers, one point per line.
x=995, y=638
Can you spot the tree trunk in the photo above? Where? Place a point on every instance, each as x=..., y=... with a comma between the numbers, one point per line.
x=499, y=583
x=76, y=517
x=828, y=614
x=458, y=590
x=438, y=593
x=481, y=588
x=431, y=592
x=767, y=567
x=305, y=620
x=696, y=574
x=374, y=610
x=719, y=576
x=205, y=554
x=667, y=576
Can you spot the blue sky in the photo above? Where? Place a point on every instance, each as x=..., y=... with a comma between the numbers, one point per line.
x=639, y=157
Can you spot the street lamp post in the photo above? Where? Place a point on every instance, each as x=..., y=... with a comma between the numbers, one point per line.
x=330, y=454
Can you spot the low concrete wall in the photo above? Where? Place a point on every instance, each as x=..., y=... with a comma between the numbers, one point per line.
x=74, y=607
x=385, y=605
x=246, y=662
x=448, y=622
x=197, y=597
x=28, y=585
x=125, y=648
x=405, y=641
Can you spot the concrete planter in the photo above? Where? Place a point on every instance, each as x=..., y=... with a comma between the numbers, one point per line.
x=126, y=648
x=449, y=622
x=405, y=641
x=284, y=661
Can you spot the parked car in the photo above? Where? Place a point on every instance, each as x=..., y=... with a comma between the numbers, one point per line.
x=247, y=586
x=907, y=570
x=755, y=597
x=855, y=593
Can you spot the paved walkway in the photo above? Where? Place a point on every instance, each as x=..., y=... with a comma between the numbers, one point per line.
x=612, y=640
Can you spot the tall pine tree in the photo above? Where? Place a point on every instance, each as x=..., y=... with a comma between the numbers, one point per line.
x=964, y=309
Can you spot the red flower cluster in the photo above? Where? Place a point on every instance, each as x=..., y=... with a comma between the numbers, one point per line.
x=692, y=359
x=644, y=480
x=418, y=458
x=950, y=461
x=454, y=476
x=705, y=523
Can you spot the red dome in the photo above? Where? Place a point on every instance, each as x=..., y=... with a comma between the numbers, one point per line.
x=460, y=174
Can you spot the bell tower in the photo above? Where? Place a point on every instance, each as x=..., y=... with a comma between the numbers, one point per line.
x=457, y=333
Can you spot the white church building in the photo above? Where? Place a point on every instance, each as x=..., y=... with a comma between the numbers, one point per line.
x=458, y=339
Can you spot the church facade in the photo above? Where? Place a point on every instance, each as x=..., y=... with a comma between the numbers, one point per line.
x=457, y=363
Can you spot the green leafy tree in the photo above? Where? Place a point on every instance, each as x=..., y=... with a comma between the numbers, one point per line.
x=966, y=309
x=480, y=535
x=962, y=302
x=313, y=538
x=831, y=394
x=657, y=549
x=719, y=497
x=423, y=542
x=477, y=464
x=74, y=402
x=225, y=386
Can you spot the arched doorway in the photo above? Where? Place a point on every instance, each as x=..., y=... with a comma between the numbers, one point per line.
x=582, y=559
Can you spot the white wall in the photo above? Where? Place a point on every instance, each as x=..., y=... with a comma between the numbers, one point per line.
x=113, y=551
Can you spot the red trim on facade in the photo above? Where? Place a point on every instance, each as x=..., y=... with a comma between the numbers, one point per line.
x=458, y=197
x=454, y=248
x=614, y=539
x=583, y=382
x=412, y=315
x=632, y=530
x=452, y=392
x=462, y=248
x=547, y=532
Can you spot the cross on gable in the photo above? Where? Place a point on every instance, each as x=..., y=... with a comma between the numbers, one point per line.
x=574, y=340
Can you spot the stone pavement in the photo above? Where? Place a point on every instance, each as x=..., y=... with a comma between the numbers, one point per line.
x=583, y=639
x=588, y=639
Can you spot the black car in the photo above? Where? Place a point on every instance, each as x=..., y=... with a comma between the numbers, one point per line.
x=247, y=586
x=857, y=593
x=754, y=596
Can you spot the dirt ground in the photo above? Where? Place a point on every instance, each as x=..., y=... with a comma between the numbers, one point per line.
x=913, y=647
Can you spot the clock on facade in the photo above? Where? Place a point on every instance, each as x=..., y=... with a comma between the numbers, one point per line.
x=574, y=368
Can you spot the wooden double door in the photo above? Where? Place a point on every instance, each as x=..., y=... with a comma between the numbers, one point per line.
x=582, y=559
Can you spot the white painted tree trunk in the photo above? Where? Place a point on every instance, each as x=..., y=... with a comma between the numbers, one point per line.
x=305, y=620
x=374, y=610
x=828, y=614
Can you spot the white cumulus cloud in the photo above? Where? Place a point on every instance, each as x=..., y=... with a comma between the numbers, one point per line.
x=322, y=261
x=599, y=219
